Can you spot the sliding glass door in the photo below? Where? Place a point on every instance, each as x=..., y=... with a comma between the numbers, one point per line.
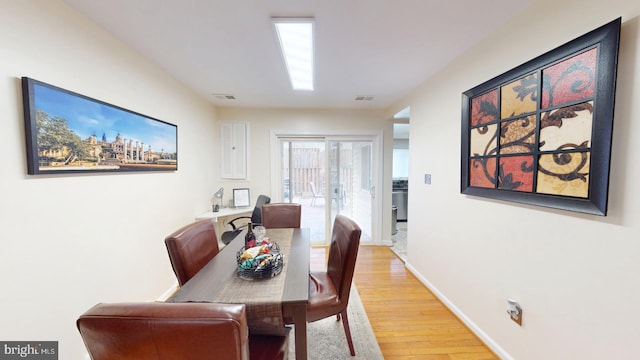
x=328, y=176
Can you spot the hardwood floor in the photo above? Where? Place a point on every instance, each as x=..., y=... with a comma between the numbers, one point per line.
x=408, y=320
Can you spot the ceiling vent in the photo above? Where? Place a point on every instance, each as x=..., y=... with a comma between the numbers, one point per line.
x=364, y=98
x=224, y=97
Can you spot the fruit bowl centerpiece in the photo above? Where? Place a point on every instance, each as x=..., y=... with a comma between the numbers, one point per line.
x=262, y=261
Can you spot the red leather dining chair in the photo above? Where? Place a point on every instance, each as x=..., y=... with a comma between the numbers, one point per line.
x=156, y=330
x=190, y=248
x=329, y=290
x=281, y=215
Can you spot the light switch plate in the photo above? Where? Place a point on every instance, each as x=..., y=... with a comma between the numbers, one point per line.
x=427, y=179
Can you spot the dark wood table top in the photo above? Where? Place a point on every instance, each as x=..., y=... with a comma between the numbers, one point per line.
x=210, y=281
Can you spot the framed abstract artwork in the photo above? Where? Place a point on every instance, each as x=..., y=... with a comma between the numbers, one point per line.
x=541, y=133
x=71, y=133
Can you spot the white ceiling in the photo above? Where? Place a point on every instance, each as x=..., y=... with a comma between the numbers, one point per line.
x=379, y=48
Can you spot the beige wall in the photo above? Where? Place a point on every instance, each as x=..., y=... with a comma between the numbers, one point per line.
x=575, y=275
x=69, y=242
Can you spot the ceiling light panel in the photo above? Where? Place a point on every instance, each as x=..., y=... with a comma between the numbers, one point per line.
x=295, y=36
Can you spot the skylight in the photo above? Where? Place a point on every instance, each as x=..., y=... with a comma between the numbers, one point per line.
x=296, y=42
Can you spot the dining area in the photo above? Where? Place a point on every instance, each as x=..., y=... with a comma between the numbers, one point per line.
x=219, y=310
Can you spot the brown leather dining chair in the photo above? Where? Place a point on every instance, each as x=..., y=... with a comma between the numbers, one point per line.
x=281, y=215
x=190, y=248
x=329, y=290
x=156, y=330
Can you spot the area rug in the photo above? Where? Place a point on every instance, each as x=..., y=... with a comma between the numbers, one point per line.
x=326, y=338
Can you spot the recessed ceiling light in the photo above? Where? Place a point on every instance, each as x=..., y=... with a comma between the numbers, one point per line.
x=295, y=36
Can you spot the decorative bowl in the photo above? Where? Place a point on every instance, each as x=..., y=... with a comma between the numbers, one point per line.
x=260, y=262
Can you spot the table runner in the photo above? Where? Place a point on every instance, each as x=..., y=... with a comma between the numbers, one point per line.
x=263, y=297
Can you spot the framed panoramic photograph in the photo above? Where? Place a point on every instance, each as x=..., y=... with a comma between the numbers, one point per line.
x=541, y=133
x=69, y=133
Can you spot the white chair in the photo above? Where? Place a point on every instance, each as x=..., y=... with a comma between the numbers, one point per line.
x=316, y=194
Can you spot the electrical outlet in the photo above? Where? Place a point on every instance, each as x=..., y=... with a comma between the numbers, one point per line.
x=427, y=179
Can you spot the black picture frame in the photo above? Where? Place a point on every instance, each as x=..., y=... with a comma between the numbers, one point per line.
x=517, y=128
x=241, y=198
x=68, y=132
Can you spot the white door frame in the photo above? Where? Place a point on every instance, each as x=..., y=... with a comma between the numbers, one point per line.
x=376, y=138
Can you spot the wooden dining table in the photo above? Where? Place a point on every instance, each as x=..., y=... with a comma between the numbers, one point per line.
x=266, y=299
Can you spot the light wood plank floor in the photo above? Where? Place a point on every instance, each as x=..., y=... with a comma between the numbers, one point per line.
x=408, y=320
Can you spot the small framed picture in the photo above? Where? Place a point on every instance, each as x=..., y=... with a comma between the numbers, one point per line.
x=241, y=198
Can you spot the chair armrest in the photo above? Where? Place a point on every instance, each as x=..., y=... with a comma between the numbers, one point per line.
x=231, y=222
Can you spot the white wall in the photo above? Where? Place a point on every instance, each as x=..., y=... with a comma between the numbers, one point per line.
x=575, y=275
x=69, y=242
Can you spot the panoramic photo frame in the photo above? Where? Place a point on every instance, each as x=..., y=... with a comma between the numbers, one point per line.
x=69, y=133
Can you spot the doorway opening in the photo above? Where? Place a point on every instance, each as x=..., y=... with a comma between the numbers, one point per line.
x=400, y=182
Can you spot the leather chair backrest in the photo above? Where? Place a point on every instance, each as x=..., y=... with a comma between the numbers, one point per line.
x=154, y=331
x=281, y=215
x=190, y=248
x=343, y=251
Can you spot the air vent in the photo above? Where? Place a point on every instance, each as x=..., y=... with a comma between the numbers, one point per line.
x=224, y=96
x=364, y=98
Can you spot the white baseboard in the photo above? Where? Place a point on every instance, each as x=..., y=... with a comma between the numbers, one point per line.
x=165, y=295
x=497, y=349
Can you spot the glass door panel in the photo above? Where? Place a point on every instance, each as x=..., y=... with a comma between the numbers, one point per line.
x=303, y=173
x=285, y=166
x=350, y=169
